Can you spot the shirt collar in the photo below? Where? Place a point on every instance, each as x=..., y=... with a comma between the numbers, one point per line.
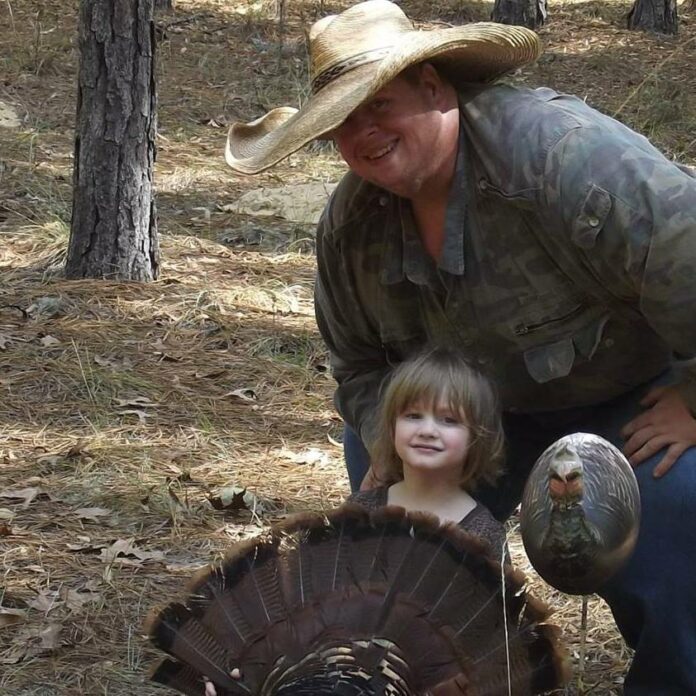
x=405, y=256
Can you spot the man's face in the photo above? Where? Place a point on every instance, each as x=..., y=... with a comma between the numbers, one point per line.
x=402, y=137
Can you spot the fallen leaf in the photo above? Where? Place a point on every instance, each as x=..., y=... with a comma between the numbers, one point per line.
x=50, y=459
x=230, y=498
x=135, y=401
x=11, y=617
x=184, y=566
x=50, y=636
x=113, y=363
x=122, y=546
x=310, y=456
x=142, y=416
x=76, y=599
x=148, y=555
x=86, y=547
x=77, y=450
x=45, y=601
x=5, y=529
x=6, y=514
x=236, y=498
x=49, y=341
x=92, y=513
x=25, y=494
x=127, y=547
x=243, y=394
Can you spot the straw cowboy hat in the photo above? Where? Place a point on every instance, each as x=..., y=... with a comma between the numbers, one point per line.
x=353, y=55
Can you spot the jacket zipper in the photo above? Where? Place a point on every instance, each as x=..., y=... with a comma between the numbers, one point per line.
x=522, y=329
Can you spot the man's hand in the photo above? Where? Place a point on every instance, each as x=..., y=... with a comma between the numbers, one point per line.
x=666, y=422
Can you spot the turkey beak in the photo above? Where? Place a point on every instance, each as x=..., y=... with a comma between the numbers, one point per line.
x=565, y=480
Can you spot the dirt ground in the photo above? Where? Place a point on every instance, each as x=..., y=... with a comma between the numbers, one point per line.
x=132, y=417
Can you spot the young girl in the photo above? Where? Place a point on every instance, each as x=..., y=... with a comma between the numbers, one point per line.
x=439, y=434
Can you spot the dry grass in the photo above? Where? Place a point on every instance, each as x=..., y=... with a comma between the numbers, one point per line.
x=125, y=408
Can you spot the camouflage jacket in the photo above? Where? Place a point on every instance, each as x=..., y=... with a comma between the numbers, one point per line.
x=568, y=271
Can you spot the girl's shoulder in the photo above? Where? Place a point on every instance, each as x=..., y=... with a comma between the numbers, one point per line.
x=481, y=522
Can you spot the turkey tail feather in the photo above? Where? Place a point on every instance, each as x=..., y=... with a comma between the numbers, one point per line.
x=179, y=676
x=359, y=603
x=176, y=631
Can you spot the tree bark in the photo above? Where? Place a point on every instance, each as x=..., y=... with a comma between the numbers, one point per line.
x=526, y=13
x=654, y=15
x=114, y=227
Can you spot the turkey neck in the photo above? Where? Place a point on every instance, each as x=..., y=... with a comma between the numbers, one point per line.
x=570, y=538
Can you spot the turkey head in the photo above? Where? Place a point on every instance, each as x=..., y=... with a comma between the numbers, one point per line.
x=580, y=513
x=386, y=603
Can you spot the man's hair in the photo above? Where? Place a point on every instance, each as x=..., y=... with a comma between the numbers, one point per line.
x=433, y=375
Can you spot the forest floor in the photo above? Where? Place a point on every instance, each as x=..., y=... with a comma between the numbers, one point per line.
x=133, y=416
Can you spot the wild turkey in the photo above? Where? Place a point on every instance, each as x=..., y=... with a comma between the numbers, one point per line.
x=580, y=513
x=357, y=603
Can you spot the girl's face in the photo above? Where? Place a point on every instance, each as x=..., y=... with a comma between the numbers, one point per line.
x=432, y=437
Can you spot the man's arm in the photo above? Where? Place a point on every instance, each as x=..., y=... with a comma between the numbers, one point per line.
x=358, y=360
x=633, y=214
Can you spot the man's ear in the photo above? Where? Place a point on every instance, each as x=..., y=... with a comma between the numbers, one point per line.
x=434, y=84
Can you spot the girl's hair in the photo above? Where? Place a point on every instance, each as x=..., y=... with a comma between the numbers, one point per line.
x=435, y=374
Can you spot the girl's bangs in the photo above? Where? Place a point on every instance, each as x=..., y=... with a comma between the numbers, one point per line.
x=428, y=386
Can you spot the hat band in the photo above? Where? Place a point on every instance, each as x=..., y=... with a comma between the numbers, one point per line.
x=323, y=79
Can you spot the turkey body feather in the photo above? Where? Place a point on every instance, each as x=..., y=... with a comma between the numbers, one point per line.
x=381, y=603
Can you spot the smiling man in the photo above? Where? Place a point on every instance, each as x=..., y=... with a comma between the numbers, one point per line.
x=552, y=244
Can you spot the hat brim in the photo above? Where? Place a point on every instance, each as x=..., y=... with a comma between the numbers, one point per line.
x=479, y=52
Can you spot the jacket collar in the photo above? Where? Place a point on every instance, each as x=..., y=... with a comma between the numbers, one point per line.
x=404, y=254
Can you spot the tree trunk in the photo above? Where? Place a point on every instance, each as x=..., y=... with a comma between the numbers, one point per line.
x=526, y=13
x=114, y=227
x=654, y=15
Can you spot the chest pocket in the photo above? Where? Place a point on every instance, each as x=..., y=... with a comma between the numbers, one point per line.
x=531, y=305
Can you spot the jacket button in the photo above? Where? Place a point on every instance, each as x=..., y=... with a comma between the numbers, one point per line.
x=593, y=221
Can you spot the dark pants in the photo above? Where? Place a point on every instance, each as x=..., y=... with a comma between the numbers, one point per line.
x=653, y=598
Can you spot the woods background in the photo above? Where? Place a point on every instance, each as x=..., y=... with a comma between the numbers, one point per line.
x=145, y=426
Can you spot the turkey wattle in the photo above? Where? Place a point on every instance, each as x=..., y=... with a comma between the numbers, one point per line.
x=357, y=603
x=580, y=513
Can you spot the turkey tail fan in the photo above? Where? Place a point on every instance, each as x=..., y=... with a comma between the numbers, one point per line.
x=383, y=603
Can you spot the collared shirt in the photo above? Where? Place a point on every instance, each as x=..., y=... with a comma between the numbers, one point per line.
x=568, y=270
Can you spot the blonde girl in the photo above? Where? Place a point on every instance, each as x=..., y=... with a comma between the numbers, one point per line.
x=438, y=435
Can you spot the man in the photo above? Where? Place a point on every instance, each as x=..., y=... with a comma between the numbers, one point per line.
x=554, y=245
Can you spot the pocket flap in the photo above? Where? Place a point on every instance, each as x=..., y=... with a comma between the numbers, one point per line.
x=551, y=361
x=591, y=218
